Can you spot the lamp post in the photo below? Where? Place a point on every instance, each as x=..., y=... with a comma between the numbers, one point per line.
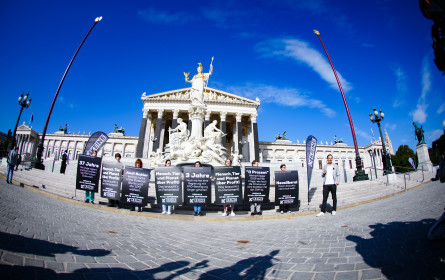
x=24, y=102
x=360, y=174
x=377, y=117
x=37, y=163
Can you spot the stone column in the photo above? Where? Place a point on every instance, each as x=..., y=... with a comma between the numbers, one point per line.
x=239, y=132
x=146, y=151
x=140, y=145
x=207, y=118
x=222, y=124
x=157, y=136
x=256, y=143
x=175, y=118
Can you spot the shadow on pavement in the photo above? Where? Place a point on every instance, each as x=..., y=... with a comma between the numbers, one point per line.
x=252, y=268
x=21, y=244
x=402, y=251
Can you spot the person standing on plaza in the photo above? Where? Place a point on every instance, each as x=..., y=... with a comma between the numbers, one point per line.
x=89, y=195
x=197, y=207
x=228, y=162
x=167, y=208
x=112, y=202
x=283, y=208
x=12, y=161
x=138, y=164
x=331, y=179
x=255, y=208
x=64, y=162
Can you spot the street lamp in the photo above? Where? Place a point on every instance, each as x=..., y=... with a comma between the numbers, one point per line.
x=24, y=102
x=377, y=117
x=37, y=163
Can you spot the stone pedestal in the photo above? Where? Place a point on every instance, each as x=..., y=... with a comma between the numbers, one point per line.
x=425, y=163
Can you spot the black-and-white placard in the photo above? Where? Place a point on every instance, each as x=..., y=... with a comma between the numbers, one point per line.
x=168, y=185
x=111, y=180
x=228, y=185
x=197, y=183
x=286, y=187
x=88, y=173
x=135, y=185
x=257, y=184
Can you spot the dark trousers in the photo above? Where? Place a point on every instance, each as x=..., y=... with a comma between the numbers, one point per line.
x=326, y=190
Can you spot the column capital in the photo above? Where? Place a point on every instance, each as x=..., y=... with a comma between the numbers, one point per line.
x=145, y=113
x=239, y=116
x=208, y=113
x=223, y=116
x=253, y=117
x=160, y=113
x=175, y=113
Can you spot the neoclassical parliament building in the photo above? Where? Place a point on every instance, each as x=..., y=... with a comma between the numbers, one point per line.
x=236, y=117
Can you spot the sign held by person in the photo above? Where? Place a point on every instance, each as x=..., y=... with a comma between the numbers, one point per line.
x=168, y=185
x=228, y=185
x=88, y=170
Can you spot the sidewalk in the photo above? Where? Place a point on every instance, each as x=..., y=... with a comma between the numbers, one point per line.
x=349, y=194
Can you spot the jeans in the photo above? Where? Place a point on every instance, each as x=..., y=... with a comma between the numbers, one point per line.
x=89, y=195
x=167, y=208
x=197, y=208
x=333, y=190
x=10, y=172
x=255, y=208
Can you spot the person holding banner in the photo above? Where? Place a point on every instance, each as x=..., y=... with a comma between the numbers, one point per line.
x=89, y=195
x=112, y=202
x=167, y=208
x=255, y=208
x=331, y=175
x=284, y=208
x=137, y=164
x=228, y=162
x=197, y=207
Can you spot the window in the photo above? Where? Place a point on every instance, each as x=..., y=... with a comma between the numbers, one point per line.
x=320, y=164
x=350, y=164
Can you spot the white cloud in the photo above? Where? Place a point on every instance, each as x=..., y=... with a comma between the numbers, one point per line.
x=390, y=126
x=419, y=114
x=435, y=134
x=161, y=17
x=301, y=52
x=363, y=134
x=401, y=85
x=441, y=108
x=283, y=96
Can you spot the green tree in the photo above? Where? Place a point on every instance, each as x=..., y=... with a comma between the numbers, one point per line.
x=400, y=159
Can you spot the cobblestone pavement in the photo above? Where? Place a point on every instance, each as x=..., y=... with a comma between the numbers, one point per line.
x=46, y=238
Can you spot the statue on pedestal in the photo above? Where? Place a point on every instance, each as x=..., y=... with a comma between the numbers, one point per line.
x=179, y=134
x=198, y=82
x=419, y=134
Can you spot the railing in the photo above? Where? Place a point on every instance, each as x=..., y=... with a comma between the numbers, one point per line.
x=405, y=174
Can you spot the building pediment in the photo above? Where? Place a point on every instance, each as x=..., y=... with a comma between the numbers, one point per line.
x=211, y=96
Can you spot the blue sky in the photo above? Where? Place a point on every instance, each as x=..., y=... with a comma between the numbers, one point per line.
x=266, y=49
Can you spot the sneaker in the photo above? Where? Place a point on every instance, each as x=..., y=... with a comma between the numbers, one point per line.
x=224, y=214
x=333, y=213
x=232, y=214
x=281, y=212
x=163, y=212
x=87, y=201
x=92, y=202
x=195, y=214
x=252, y=214
x=320, y=214
x=200, y=213
x=169, y=213
x=259, y=213
x=289, y=212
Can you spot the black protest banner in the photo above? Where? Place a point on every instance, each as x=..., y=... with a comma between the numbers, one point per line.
x=111, y=180
x=95, y=142
x=286, y=187
x=168, y=185
x=228, y=185
x=135, y=185
x=257, y=184
x=197, y=185
x=88, y=172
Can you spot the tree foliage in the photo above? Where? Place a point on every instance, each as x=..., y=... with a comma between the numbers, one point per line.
x=400, y=159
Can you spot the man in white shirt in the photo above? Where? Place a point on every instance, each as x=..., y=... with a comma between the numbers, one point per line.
x=331, y=180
